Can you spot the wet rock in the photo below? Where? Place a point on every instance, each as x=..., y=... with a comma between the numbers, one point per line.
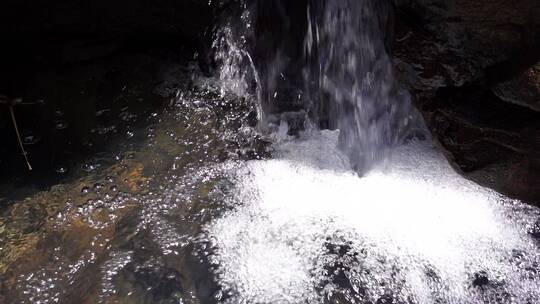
x=535, y=231
x=452, y=43
x=482, y=31
x=489, y=141
x=472, y=68
x=524, y=89
x=480, y=279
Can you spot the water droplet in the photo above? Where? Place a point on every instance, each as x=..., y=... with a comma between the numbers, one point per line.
x=126, y=116
x=102, y=112
x=61, y=125
x=61, y=169
x=30, y=139
x=89, y=167
x=85, y=190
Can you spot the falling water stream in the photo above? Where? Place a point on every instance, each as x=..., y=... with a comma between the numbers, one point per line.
x=207, y=208
x=354, y=80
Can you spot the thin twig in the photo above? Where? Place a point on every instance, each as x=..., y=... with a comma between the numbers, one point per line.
x=19, y=136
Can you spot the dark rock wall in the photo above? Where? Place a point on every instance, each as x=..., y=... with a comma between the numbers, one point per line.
x=486, y=31
x=522, y=89
x=50, y=33
x=472, y=67
x=185, y=17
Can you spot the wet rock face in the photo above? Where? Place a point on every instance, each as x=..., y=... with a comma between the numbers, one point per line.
x=488, y=140
x=472, y=67
x=452, y=43
x=523, y=89
x=488, y=32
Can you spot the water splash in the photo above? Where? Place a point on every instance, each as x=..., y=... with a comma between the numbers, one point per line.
x=236, y=69
x=305, y=229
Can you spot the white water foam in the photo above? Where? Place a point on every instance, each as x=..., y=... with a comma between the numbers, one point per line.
x=305, y=229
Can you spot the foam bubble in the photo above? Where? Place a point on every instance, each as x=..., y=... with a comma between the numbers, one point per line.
x=304, y=228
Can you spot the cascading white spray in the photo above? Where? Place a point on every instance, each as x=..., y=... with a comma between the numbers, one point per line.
x=349, y=75
x=302, y=228
x=237, y=71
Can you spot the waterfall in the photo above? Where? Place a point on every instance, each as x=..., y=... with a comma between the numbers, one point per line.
x=303, y=227
x=349, y=75
x=235, y=67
